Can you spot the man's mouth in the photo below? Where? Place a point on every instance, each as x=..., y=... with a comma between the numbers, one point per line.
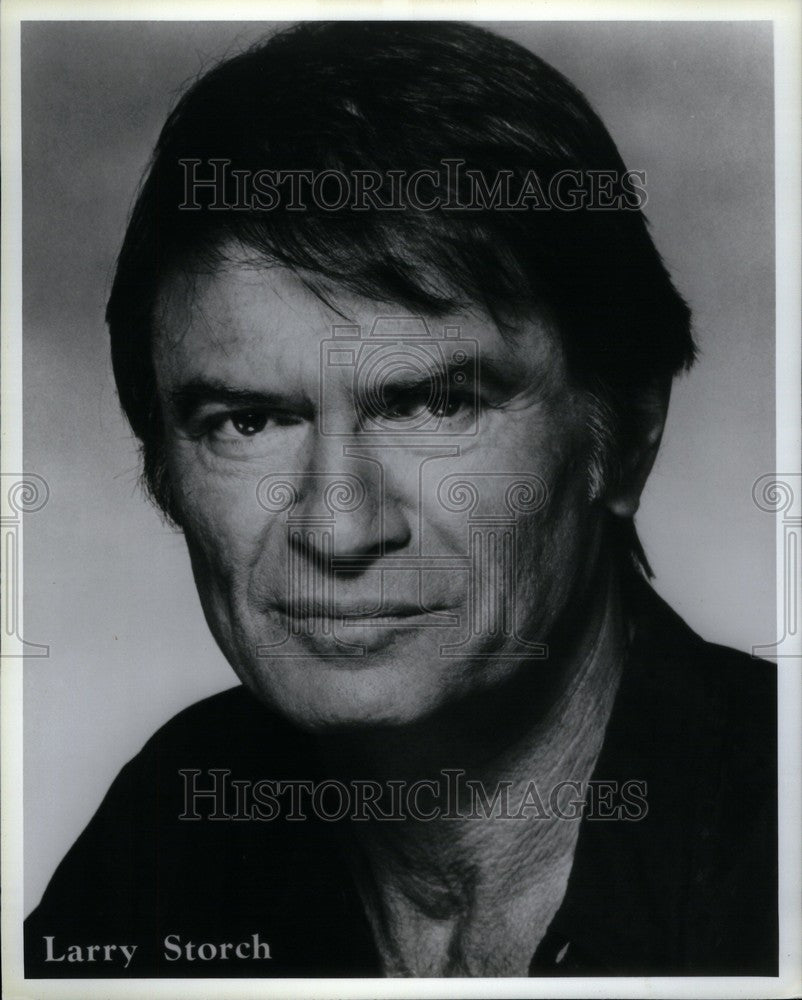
x=354, y=611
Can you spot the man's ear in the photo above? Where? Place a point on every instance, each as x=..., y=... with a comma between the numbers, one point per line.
x=647, y=420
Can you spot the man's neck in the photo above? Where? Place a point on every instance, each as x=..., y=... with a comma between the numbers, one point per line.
x=439, y=890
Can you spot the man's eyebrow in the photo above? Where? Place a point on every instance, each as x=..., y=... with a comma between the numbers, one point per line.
x=188, y=397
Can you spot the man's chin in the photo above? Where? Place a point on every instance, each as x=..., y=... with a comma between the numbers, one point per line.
x=346, y=694
x=332, y=718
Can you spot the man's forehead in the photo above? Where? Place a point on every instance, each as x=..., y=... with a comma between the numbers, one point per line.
x=243, y=314
x=231, y=304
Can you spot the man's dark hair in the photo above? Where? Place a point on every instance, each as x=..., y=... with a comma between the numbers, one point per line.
x=406, y=96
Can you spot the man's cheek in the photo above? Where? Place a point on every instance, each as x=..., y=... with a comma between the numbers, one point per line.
x=221, y=531
x=213, y=499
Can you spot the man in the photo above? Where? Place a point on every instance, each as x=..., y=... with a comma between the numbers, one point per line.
x=398, y=347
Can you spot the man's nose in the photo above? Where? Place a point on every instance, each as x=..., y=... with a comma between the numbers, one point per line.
x=345, y=507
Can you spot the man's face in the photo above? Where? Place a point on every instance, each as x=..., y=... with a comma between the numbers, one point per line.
x=384, y=515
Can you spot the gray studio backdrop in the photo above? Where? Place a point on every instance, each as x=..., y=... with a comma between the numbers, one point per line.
x=107, y=584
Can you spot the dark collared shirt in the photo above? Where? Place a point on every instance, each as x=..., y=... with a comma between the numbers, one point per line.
x=688, y=889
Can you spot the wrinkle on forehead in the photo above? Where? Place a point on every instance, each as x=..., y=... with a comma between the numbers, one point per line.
x=233, y=252
x=195, y=301
x=183, y=302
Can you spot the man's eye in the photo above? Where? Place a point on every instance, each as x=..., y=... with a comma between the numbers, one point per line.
x=411, y=404
x=233, y=427
x=248, y=434
x=406, y=404
x=448, y=406
x=248, y=424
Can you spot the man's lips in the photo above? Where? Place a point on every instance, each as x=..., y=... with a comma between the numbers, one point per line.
x=356, y=609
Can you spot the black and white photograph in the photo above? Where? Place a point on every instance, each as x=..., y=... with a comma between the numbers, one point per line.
x=401, y=491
